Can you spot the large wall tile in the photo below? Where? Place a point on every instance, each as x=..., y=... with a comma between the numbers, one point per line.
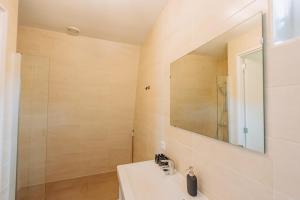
x=283, y=111
x=285, y=155
x=283, y=70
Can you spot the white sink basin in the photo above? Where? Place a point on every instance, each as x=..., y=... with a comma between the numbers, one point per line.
x=146, y=181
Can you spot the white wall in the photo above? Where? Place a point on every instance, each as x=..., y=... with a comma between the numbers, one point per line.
x=12, y=97
x=236, y=48
x=8, y=108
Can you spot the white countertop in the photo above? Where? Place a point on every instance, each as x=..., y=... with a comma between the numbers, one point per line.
x=146, y=181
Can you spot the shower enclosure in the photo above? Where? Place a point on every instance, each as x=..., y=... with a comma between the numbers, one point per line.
x=32, y=147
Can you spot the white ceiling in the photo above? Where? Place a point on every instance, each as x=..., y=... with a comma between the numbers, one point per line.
x=117, y=20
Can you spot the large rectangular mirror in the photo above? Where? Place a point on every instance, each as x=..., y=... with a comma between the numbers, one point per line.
x=218, y=89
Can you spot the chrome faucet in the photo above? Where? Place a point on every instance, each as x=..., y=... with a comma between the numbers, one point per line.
x=169, y=169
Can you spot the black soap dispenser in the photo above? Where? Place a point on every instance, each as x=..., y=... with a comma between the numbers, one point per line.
x=191, y=181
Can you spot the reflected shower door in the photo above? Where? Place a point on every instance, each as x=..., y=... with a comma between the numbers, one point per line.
x=31, y=170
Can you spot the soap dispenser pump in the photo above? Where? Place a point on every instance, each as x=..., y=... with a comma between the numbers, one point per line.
x=191, y=180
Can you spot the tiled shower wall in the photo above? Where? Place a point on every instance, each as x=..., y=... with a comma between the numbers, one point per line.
x=91, y=94
x=225, y=172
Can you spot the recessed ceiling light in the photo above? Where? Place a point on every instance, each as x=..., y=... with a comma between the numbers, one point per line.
x=72, y=30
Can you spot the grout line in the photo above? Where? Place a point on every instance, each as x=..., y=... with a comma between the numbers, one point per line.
x=284, y=140
x=283, y=86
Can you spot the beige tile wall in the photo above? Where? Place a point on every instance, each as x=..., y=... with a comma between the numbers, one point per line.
x=194, y=89
x=8, y=103
x=92, y=86
x=225, y=172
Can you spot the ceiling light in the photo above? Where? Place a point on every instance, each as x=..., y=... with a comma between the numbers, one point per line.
x=72, y=30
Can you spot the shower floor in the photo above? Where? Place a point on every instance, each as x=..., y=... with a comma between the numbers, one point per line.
x=97, y=187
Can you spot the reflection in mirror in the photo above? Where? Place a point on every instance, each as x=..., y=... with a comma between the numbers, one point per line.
x=217, y=90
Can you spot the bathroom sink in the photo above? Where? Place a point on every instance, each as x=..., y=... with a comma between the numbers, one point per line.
x=146, y=181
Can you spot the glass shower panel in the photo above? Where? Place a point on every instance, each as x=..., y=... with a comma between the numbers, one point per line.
x=31, y=171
